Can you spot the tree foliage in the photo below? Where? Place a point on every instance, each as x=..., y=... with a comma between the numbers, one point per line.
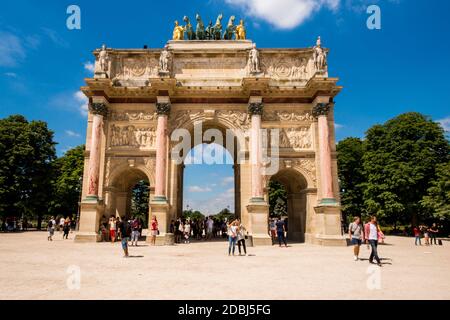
x=351, y=176
x=68, y=171
x=27, y=151
x=399, y=164
x=437, y=200
x=277, y=199
x=140, y=197
x=193, y=215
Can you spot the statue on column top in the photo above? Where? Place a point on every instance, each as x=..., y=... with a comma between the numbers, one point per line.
x=164, y=60
x=101, y=66
x=320, y=57
x=253, y=59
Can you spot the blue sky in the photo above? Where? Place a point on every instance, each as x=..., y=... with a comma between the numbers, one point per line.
x=402, y=67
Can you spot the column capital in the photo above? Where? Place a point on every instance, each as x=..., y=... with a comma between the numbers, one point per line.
x=163, y=108
x=98, y=108
x=321, y=109
x=256, y=108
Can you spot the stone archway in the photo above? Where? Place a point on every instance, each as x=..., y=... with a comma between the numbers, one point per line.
x=118, y=192
x=296, y=187
x=214, y=123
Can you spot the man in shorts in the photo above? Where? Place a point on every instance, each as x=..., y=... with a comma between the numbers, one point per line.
x=125, y=231
x=356, y=234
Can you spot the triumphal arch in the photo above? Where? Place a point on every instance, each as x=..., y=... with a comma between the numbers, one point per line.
x=140, y=100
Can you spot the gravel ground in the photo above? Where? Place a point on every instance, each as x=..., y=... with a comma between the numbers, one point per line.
x=33, y=268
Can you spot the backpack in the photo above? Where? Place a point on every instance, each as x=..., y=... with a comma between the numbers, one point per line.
x=50, y=224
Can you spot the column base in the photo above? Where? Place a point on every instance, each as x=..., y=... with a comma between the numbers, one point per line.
x=159, y=207
x=87, y=237
x=167, y=239
x=259, y=222
x=328, y=226
x=328, y=202
x=159, y=199
x=261, y=240
x=329, y=241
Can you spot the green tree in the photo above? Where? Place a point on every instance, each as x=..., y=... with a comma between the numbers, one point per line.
x=225, y=214
x=27, y=150
x=276, y=191
x=140, y=196
x=351, y=176
x=437, y=200
x=68, y=181
x=280, y=208
x=400, y=163
x=193, y=215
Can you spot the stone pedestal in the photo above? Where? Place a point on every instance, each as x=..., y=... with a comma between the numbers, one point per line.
x=259, y=217
x=160, y=209
x=89, y=221
x=328, y=227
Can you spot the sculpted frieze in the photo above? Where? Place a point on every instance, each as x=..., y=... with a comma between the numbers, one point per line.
x=131, y=136
x=133, y=116
x=296, y=138
x=281, y=115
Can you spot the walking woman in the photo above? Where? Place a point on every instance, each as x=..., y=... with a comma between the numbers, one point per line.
x=153, y=230
x=371, y=234
x=232, y=236
x=66, y=228
x=187, y=231
x=241, y=237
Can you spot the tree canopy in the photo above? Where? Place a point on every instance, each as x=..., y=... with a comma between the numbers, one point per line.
x=392, y=170
x=27, y=152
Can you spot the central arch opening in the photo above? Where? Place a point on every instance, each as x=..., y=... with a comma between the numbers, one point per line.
x=209, y=188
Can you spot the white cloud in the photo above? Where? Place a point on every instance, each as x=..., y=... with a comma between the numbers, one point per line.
x=199, y=189
x=338, y=126
x=55, y=37
x=82, y=102
x=214, y=204
x=283, y=14
x=12, y=51
x=227, y=180
x=89, y=66
x=445, y=123
x=71, y=133
x=11, y=74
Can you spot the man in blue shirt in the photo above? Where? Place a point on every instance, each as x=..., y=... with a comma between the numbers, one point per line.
x=280, y=232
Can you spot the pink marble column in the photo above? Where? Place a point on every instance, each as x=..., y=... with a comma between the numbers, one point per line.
x=321, y=112
x=162, y=110
x=98, y=110
x=256, y=109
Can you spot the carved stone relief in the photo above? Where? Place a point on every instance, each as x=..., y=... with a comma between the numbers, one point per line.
x=130, y=136
x=133, y=116
x=296, y=138
x=277, y=115
x=136, y=68
x=290, y=67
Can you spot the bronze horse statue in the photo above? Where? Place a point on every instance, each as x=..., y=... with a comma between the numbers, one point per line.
x=200, y=31
x=188, y=29
x=230, y=30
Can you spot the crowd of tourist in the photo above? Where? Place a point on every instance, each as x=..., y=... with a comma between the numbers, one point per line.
x=429, y=234
x=61, y=224
x=209, y=228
